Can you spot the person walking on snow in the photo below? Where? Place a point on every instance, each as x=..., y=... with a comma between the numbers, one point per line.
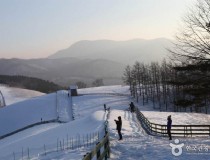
x=169, y=123
x=119, y=127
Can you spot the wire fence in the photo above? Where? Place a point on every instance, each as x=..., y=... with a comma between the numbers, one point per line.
x=87, y=141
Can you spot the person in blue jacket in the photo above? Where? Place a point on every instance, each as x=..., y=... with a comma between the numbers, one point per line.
x=169, y=123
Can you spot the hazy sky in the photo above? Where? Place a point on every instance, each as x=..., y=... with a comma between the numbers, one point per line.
x=38, y=28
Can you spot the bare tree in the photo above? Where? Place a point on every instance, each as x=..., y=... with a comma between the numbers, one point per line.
x=127, y=78
x=81, y=84
x=193, y=39
x=98, y=82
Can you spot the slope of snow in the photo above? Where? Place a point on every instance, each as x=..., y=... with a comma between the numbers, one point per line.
x=89, y=118
x=54, y=106
x=34, y=138
x=21, y=114
x=13, y=94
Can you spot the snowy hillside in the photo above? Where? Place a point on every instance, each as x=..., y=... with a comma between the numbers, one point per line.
x=13, y=95
x=74, y=138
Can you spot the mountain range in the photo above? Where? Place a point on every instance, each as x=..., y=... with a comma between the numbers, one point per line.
x=88, y=60
x=64, y=71
x=126, y=52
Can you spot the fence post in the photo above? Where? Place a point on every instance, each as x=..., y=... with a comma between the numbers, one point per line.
x=28, y=154
x=156, y=128
x=98, y=152
x=106, y=146
x=67, y=142
x=22, y=153
x=60, y=145
x=57, y=144
x=191, y=130
x=45, y=150
x=14, y=155
x=209, y=130
x=63, y=144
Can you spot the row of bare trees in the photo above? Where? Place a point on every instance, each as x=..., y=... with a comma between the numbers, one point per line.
x=165, y=87
x=150, y=83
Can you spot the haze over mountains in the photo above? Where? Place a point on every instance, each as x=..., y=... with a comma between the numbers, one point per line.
x=64, y=71
x=126, y=52
x=88, y=60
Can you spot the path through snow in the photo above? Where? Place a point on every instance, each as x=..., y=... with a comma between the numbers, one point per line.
x=64, y=107
x=137, y=144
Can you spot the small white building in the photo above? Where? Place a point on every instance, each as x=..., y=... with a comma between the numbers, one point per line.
x=73, y=90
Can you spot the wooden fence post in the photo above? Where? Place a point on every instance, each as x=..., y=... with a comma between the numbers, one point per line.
x=98, y=152
x=209, y=130
x=191, y=130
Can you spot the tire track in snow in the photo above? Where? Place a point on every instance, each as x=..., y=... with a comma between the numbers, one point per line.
x=64, y=108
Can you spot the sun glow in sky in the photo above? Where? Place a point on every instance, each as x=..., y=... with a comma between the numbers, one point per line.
x=38, y=28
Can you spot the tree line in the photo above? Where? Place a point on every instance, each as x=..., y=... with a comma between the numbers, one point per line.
x=96, y=83
x=29, y=83
x=168, y=87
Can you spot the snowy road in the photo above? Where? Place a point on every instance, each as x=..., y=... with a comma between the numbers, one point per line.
x=136, y=144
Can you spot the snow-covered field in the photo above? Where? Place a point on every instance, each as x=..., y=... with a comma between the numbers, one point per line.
x=177, y=118
x=89, y=122
x=13, y=95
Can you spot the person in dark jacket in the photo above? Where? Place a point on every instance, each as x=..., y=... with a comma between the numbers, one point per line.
x=169, y=123
x=119, y=127
x=104, y=107
x=132, y=107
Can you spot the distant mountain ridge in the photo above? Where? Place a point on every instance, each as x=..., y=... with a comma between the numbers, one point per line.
x=126, y=52
x=64, y=71
x=87, y=61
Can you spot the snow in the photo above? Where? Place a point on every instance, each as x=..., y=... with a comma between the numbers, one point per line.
x=14, y=95
x=118, y=89
x=48, y=136
x=136, y=144
x=88, y=112
x=177, y=118
x=27, y=112
x=64, y=106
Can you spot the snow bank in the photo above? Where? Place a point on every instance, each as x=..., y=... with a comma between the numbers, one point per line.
x=13, y=94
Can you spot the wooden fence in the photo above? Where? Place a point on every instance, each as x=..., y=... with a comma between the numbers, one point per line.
x=103, y=145
x=97, y=150
x=177, y=130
